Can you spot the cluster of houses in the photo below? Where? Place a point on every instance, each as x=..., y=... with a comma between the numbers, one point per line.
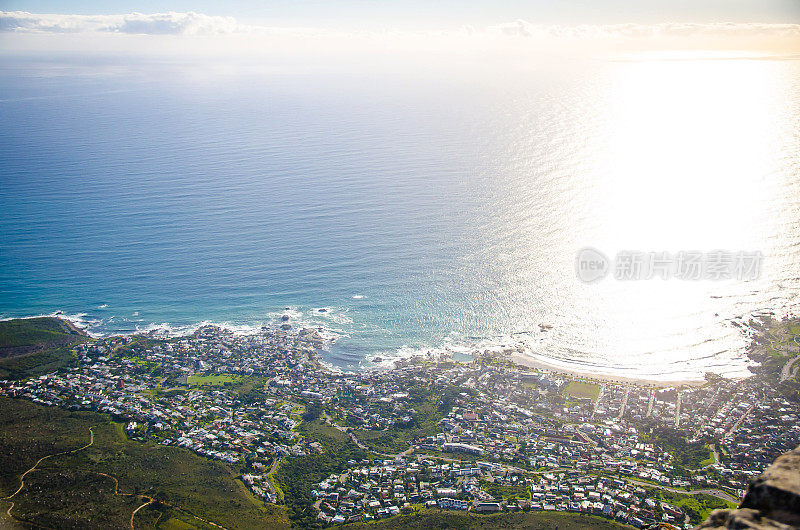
x=495, y=427
x=148, y=386
x=371, y=490
x=521, y=421
x=382, y=488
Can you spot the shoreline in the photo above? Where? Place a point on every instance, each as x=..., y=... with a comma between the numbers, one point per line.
x=80, y=327
x=75, y=329
x=601, y=378
x=72, y=325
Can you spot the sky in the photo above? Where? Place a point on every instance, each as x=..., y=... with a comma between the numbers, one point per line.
x=466, y=27
x=427, y=14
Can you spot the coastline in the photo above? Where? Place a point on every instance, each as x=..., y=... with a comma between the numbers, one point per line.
x=601, y=378
x=79, y=326
x=71, y=325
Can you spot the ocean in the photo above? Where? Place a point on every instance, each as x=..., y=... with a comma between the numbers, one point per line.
x=404, y=211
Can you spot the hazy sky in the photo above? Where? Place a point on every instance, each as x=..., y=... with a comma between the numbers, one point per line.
x=419, y=27
x=439, y=13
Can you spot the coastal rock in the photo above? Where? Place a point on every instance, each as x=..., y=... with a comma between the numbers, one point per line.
x=312, y=336
x=772, y=501
x=741, y=519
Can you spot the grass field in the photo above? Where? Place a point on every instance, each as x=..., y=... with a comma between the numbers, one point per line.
x=211, y=380
x=708, y=461
x=582, y=390
x=506, y=493
x=68, y=491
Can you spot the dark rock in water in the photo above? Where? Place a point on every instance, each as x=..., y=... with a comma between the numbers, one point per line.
x=772, y=500
x=285, y=318
x=286, y=308
x=286, y=326
x=377, y=359
x=323, y=310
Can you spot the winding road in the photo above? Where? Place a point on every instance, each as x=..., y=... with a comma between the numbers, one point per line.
x=790, y=368
x=713, y=492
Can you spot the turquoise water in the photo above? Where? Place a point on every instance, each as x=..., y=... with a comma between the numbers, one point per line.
x=419, y=210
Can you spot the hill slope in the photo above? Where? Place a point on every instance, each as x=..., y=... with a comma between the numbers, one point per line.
x=35, y=346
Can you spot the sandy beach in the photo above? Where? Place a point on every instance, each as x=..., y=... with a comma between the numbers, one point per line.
x=601, y=378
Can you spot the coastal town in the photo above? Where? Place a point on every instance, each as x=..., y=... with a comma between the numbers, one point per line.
x=483, y=436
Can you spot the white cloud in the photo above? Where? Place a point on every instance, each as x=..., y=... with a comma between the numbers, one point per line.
x=134, y=23
x=191, y=23
x=518, y=37
x=522, y=28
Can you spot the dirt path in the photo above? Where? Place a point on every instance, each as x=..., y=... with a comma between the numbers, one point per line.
x=148, y=503
x=150, y=500
x=22, y=478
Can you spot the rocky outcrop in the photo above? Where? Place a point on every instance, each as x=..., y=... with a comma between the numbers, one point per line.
x=772, y=501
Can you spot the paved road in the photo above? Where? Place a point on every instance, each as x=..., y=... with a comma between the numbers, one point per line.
x=272, y=469
x=352, y=436
x=624, y=403
x=739, y=421
x=790, y=368
x=356, y=441
x=713, y=492
x=650, y=403
x=715, y=453
x=598, y=400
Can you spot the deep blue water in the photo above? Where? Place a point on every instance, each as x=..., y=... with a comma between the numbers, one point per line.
x=416, y=209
